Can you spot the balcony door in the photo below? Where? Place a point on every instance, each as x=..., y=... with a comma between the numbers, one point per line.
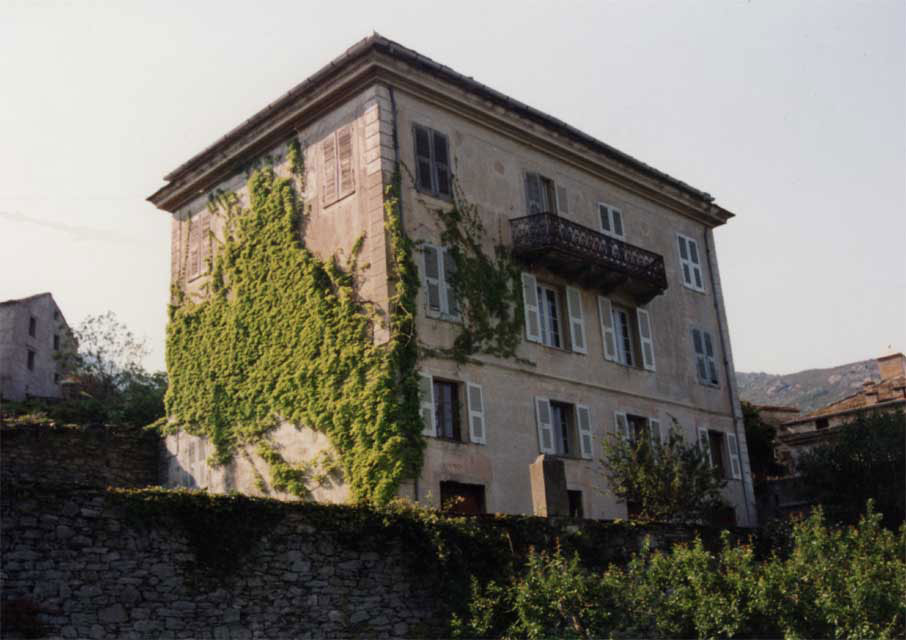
x=539, y=194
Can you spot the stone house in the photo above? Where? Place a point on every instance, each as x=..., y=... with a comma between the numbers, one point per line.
x=802, y=433
x=624, y=332
x=33, y=332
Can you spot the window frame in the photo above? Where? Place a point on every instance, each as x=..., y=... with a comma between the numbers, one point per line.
x=620, y=339
x=30, y=357
x=609, y=210
x=340, y=167
x=32, y=326
x=445, y=290
x=455, y=410
x=694, y=266
x=544, y=306
x=434, y=165
x=703, y=360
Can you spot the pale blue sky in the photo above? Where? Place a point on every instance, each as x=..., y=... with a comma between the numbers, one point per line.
x=792, y=114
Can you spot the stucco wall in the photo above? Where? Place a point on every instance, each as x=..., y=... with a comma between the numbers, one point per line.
x=16, y=380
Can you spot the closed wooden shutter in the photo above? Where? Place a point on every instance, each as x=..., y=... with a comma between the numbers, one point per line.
x=545, y=426
x=733, y=451
x=423, y=172
x=608, y=336
x=700, y=360
x=329, y=170
x=576, y=320
x=346, y=161
x=432, y=277
x=205, y=242
x=451, y=304
x=704, y=443
x=583, y=422
x=530, y=302
x=476, y=413
x=176, y=249
x=562, y=200
x=709, y=356
x=646, y=338
x=533, y=195
x=690, y=263
x=696, y=264
x=621, y=425
x=426, y=397
x=441, y=158
x=654, y=427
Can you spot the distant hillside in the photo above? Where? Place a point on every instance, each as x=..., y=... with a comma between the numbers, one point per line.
x=807, y=390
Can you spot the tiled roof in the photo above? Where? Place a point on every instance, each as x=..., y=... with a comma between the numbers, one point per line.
x=892, y=390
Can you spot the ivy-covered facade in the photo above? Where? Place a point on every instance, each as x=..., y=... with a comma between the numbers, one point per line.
x=395, y=281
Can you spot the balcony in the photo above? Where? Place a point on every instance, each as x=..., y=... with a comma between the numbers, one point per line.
x=590, y=258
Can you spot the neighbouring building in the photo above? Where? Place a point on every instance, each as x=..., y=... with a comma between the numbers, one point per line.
x=33, y=333
x=625, y=330
x=802, y=433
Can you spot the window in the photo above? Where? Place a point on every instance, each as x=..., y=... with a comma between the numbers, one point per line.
x=575, y=504
x=635, y=427
x=56, y=342
x=432, y=162
x=337, y=166
x=543, y=196
x=563, y=429
x=690, y=263
x=446, y=409
x=30, y=360
x=199, y=244
x=32, y=326
x=440, y=409
x=549, y=307
x=722, y=451
x=611, y=221
x=458, y=497
x=627, y=334
x=705, y=365
x=439, y=272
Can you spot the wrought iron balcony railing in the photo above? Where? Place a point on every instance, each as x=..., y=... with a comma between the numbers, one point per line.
x=587, y=256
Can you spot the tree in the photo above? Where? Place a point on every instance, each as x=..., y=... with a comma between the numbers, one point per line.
x=669, y=481
x=103, y=359
x=863, y=460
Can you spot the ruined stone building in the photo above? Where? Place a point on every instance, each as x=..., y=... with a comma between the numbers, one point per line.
x=32, y=333
x=624, y=326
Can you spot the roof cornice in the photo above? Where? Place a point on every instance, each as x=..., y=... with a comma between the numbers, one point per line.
x=378, y=60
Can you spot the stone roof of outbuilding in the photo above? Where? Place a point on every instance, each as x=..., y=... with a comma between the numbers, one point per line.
x=884, y=393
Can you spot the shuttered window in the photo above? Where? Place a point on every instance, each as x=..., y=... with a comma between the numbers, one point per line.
x=337, y=166
x=690, y=263
x=646, y=338
x=621, y=425
x=475, y=399
x=532, y=312
x=733, y=455
x=199, y=245
x=608, y=336
x=704, y=444
x=611, y=220
x=543, y=196
x=439, y=271
x=705, y=363
x=176, y=248
x=426, y=400
x=583, y=424
x=545, y=425
x=432, y=162
x=654, y=428
x=576, y=320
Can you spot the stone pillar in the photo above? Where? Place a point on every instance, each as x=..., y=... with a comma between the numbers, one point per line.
x=549, y=496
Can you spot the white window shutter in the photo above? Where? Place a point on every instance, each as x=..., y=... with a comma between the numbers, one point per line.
x=329, y=169
x=657, y=436
x=562, y=200
x=532, y=315
x=605, y=311
x=475, y=399
x=451, y=304
x=545, y=426
x=576, y=320
x=583, y=421
x=709, y=355
x=426, y=397
x=695, y=264
x=733, y=450
x=647, y=338
x=622, y=425
x=431, y=256
x=704, y=444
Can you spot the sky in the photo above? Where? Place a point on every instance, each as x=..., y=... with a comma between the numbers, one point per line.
x=792, y=114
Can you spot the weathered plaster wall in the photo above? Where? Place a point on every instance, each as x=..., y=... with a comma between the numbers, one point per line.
x=489, y=166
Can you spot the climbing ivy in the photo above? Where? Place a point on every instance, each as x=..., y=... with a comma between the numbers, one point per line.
x=488, y=287
x=284, y=335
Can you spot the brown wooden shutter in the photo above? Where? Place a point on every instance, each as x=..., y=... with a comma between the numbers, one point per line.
x=329, y=170
x=423, y=160
x=346, y=164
